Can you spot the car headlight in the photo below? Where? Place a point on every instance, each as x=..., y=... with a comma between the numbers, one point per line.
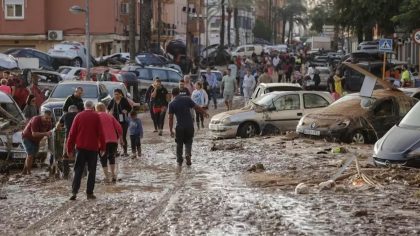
x=300, y=122
x=226, y=121
x=344, y=123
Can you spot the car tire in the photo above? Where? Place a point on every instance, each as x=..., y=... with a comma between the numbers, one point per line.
x=77, y=62
x=247, y=130
x=358, y=137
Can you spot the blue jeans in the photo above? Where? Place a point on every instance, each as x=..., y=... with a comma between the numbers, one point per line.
x=213, y=96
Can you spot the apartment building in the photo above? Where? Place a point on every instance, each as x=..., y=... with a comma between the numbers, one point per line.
x=41, y=23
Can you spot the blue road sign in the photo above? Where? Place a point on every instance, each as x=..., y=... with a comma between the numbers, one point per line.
x=385, y=45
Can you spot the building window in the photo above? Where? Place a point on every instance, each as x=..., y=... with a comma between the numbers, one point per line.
x=14, y=9
x=124, y=8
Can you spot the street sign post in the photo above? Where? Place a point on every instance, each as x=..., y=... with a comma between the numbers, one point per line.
x=416, y=38
x=385, y=45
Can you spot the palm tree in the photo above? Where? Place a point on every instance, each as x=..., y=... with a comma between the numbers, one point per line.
x=146, y=11
x=238, y=5
x=293, y=12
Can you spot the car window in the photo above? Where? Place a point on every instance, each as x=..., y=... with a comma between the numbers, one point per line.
x=384, y=108
x=40, y=56
x=257, y=92
x=250, y=49
x=174, y=77
x=287, y=102
x=417, y=95
x=64, y=70
x=65, y=90
x=144, y=74
x=12, y=110
x=241, y=50
x=103, y=90
x=314, y=101
x=284, y=88
x=161, y=74
x=77, y=73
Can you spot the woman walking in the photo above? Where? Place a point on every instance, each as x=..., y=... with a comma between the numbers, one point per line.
x=160, y=100
x=112, y=132
x=119, y=107
x=200, y=97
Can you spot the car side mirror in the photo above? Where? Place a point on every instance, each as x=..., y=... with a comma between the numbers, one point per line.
x=47, y=93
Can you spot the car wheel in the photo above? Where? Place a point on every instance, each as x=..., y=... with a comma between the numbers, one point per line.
x=77, y=62
x=358, y=138
x=247, y=130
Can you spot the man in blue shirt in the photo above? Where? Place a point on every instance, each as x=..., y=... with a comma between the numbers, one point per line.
x=212, y=81
x=184, y=130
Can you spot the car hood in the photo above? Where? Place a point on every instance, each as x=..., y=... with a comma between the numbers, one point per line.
x=235, y=116
x=53, y=102
x=335, y=113
x=397, y=143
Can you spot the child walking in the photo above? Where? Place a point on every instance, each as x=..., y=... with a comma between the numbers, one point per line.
x=136, y=134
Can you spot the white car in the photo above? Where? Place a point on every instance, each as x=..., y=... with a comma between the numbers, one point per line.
x=70, y=72
x=271, y=113
x=247, y=50
x=121, y=57
x=264, y=88
x=72, y=52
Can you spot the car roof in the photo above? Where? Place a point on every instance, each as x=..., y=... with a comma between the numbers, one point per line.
x=81, y=82
x=270, y=85
x=4, y=97
x=111, y=82
x=298, y=92
x=213, y=71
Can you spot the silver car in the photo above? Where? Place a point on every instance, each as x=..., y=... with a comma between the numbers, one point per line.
x=273, y=112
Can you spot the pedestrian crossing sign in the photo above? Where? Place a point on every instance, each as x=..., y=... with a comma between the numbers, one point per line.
x=385, y=45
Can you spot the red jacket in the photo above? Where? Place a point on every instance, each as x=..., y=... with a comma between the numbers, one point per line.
x=86, y=133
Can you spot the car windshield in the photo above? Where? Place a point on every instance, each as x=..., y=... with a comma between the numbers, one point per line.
x=9, y=111
x=365, y=102
x=411, y=120
x=65, y=90
x=149, y=60
x=111, y=87
x=284, y=88
x=265, y=100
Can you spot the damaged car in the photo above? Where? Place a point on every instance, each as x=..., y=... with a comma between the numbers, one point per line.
x=12, y=122
x=356, y=119
x=271, y=113
x=401, y=144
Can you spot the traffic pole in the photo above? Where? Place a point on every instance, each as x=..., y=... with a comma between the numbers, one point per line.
x=384, y=67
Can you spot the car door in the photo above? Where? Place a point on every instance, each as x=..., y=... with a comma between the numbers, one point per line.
x=285, y=113
x=313, y=102
x=385, y=116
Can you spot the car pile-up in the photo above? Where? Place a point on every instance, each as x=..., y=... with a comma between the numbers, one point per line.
x=388, y=117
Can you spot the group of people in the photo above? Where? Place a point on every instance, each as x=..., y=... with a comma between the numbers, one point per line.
x=91, y=131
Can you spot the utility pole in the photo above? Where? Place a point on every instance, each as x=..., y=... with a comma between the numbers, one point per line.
x=132, y=33
x=159, y=22
x=141, y=43
x=187, y=36
x=207, y=27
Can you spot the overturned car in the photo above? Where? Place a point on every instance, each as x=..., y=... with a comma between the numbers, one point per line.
x=356, y=119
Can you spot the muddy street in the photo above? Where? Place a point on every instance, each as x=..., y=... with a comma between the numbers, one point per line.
x=237, y=186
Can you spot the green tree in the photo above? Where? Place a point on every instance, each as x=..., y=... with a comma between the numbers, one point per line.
x=408, y=18
x=262, y=30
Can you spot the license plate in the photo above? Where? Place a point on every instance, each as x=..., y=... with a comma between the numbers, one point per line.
x=310, y=83
x=312, y=132
x=19, y=155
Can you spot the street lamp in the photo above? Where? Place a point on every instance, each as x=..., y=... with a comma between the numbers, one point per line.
x=79, y=10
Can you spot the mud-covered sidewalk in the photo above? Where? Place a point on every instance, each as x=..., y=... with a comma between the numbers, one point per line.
x=223, y=193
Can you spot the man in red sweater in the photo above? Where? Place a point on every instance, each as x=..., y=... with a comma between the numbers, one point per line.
x=87, y=138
